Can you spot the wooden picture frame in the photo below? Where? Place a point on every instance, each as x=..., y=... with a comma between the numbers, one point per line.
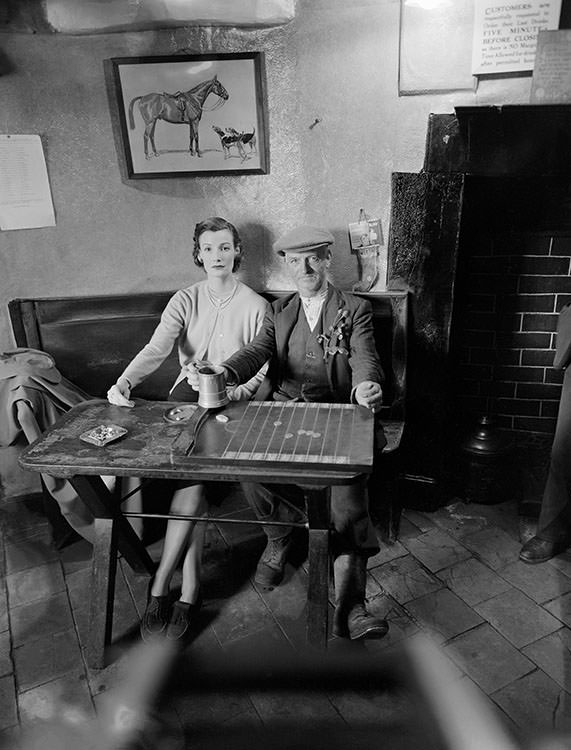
x=192, y=115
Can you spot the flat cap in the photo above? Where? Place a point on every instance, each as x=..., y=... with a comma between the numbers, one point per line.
x=303, y=238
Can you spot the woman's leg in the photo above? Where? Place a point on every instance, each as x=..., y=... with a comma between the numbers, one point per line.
x=186, y=608
x=192, y=562
x=187, y=500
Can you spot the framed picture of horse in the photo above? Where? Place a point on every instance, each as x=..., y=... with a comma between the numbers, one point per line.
x=192, y=115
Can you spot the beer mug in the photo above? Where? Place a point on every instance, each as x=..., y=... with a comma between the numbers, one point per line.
x=211, y=385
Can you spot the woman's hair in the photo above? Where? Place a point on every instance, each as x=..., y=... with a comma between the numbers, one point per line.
x=216, y=224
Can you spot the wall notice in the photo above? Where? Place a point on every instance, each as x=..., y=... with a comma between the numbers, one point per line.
x=551, y=83
x=505, y=33
x=25, y=196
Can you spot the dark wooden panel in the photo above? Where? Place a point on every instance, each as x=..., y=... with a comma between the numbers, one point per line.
x=530, y=139
x=111, y=307
x=93, y=338
x=24, y=323
x=93, y=352
x=390, y=321
x=523, y=139
x=445, y=148
x=425, y=225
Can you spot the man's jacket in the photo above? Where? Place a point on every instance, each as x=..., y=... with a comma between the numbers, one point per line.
x=563, y=350
x=350, y=359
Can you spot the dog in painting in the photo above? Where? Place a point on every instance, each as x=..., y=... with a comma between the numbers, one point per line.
x=233, y=138
x=246, y=139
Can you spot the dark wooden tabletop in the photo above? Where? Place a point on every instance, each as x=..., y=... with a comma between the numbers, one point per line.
x=146, y=449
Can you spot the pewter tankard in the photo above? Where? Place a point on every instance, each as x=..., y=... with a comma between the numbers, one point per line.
x=211, y=386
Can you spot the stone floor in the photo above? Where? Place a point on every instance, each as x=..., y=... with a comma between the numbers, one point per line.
x=501, y=627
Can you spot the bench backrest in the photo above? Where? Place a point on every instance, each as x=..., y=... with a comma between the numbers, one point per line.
x=92, y=339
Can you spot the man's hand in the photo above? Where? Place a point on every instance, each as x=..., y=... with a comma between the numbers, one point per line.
x=191, y=374
x=119, y=394
x=369, y=394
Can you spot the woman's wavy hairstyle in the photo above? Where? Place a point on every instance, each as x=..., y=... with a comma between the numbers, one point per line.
x=216, y=224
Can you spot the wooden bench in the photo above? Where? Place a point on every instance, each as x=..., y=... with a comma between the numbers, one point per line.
x=93, y=338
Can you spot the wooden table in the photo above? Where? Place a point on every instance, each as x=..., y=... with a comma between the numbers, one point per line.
x=155, y=448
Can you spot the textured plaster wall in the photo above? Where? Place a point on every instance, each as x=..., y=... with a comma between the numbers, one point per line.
x=337, y=62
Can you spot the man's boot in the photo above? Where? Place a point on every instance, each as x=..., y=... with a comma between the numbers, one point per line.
x=271, y=567
x=268, y=507
x=351, y=619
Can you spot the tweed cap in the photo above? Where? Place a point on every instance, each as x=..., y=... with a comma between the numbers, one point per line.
x=301, y=239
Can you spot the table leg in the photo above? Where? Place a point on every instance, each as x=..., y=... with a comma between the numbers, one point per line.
x=103, y=572
x=99, y=500
x=317, y=503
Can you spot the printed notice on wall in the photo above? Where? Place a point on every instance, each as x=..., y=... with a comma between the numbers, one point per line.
x=505, y=33
x=25, y=196
x=551, y=82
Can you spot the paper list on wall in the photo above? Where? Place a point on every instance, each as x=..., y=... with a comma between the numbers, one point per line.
x=25, y=196
x=551, y=82
x=505, y=34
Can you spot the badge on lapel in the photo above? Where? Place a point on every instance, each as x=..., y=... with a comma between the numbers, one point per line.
x=334, y=339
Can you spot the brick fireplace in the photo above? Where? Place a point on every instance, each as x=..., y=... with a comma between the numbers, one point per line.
x=482, y=239
x=512, y=281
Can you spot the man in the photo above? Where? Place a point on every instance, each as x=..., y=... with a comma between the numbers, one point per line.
x=553, y=534
x=319, y=342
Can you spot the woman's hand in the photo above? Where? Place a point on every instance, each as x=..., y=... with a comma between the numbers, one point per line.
x=369, y=394
x=119, y=394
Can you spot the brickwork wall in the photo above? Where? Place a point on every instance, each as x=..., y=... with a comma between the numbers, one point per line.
x=512, y=288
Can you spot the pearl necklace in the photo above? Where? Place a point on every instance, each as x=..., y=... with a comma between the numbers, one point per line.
x=219, y=301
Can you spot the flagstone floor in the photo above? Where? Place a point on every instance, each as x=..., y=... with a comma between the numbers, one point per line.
x=502, y=628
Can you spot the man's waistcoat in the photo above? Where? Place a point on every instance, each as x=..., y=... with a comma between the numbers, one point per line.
x=305, y=374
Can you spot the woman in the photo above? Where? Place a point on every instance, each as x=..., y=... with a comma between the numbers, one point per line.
x=209, y=320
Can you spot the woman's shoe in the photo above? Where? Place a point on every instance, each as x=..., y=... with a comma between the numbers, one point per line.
x=183, y=615
x=156, y=616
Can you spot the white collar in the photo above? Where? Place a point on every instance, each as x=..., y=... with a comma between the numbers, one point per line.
x=316, y=299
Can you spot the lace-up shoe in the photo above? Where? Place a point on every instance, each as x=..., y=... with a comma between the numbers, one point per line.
x=156, y=615
x=271, y=567
x=183, y=616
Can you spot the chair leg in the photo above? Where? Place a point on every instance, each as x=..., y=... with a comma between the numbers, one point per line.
x=318, y=514
x=385, y=504
x=395, y=509
x=103, y=573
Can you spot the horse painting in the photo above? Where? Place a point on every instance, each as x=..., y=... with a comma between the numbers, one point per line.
x=184, y=107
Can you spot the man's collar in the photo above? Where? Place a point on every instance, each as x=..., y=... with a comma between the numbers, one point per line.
x=319, y=297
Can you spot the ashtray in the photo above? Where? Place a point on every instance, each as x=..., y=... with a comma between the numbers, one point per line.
x=103, y=434
x=178, y=414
